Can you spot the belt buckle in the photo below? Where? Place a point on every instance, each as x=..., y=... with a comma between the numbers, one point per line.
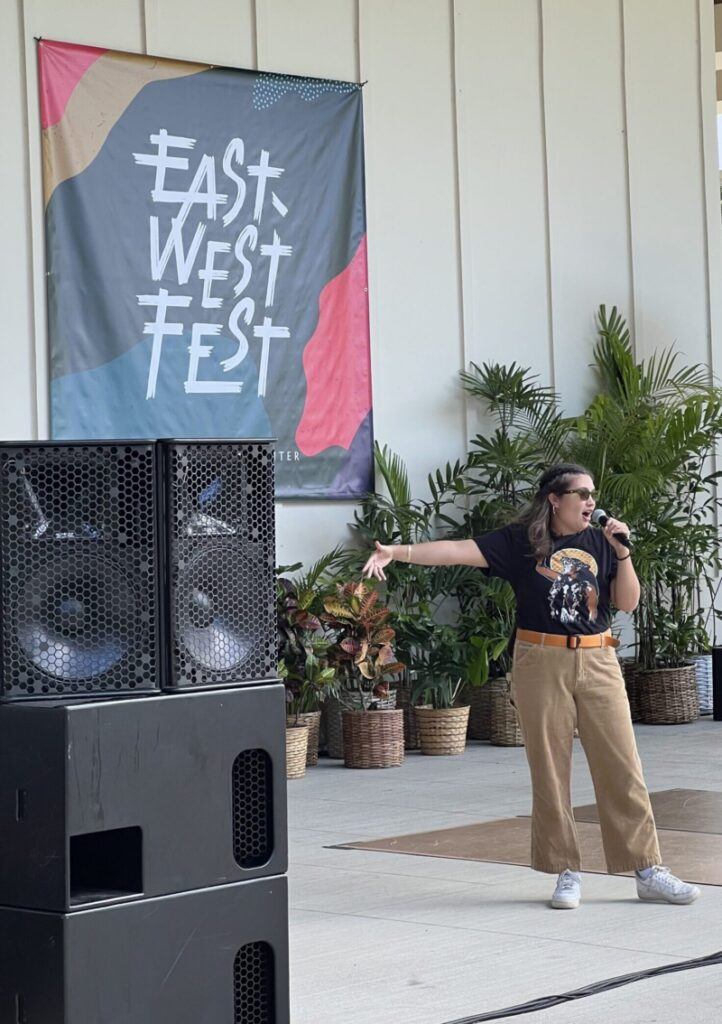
x=576, y=644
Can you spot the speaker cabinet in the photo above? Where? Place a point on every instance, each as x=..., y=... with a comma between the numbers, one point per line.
x=214, y=956
x=112, y=801
x=79, y=569
x=219, y=563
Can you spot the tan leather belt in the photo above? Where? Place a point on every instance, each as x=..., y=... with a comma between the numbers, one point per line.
x=573, y=641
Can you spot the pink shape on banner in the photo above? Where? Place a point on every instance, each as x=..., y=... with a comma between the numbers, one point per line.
x=336, y=362
x=62, y=65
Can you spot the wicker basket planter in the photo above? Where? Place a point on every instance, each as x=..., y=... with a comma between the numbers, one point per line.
x=703, y=669
x=411, y=732
x=296, y=746
x=630, y=670
x=479, y=698
x=373, y=739
x=668, y=696
x=333, y=710
x=313, y=720
x=442, y=730
x=504, y=729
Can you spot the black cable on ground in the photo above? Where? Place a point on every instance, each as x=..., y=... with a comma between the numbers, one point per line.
x=544, y=1002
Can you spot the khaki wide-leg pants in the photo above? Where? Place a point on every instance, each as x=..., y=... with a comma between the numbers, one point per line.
x=554, y=690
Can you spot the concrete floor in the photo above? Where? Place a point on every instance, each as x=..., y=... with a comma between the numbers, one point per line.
x=379, y=938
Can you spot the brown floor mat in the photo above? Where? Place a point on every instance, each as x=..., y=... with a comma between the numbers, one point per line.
x=693, y=856
x=686, y=810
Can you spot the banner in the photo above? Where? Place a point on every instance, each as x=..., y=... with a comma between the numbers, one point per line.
x=206, y=260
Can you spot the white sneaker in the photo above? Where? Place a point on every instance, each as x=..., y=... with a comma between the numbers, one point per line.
x=568, y=891
x=661, y=886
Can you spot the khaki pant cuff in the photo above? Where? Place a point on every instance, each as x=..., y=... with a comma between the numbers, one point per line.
x=550, y=869
x=636, y=865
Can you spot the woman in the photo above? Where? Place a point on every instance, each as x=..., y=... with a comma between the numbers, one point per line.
x=565, y=674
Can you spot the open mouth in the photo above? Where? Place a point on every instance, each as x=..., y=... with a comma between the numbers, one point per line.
x=587, y=515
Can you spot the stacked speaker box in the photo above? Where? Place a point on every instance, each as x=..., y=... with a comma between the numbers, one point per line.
x=142, y=736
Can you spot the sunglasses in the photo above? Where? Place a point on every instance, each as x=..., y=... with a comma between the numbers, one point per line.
x=584, y=493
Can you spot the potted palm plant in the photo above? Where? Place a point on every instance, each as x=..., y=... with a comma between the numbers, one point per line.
x=417, y=595
x=442, y=721
x=364, y=659
x=647, y=438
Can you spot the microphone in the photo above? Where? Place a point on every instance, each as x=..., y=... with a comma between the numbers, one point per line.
x=600, y=518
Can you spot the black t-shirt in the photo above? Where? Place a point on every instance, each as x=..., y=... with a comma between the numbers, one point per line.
x=566, y=593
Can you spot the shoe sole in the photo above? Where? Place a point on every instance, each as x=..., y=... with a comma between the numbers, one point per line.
x=661, y=899
x=565, y=904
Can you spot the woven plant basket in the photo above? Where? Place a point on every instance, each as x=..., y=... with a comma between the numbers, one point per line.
x=373, y=739
x=668, y=696
x=442, y=730
x=504, y=729
x=479, y=698
x=333, y=710
x=703, y=669
x=630, y=670
x=411, y=732
x=296, y=745
x=313, y=720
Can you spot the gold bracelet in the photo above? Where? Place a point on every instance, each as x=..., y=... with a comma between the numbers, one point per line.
x=408, y=552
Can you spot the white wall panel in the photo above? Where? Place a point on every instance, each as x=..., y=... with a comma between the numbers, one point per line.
x=502, y=186
x=308, y=37
x=210, y=32
x=666, y=177
x=587, y=176
x=17, y=352
x=713, y=222
x=406, y=55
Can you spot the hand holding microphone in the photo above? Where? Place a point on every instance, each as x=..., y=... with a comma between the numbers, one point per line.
x=613, y=528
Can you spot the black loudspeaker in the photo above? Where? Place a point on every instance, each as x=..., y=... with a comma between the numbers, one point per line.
x=79, y=569
x=219, y=561
x=122, y=800
x=717, y=684
x=215, y=956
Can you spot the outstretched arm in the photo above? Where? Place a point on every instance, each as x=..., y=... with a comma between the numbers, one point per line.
x=434, y=552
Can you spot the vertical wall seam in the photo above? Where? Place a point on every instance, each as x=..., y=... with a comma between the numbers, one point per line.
x=632, y=317
x=35, y=384
x=703, y=183
x=547, y=218
x=254, y=33
x=357, y=34
x=457, y=217
x=144, y=25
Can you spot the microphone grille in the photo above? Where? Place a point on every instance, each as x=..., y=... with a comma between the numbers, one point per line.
x=598, y=515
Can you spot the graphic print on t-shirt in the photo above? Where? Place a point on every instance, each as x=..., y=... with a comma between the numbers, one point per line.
x=574, y=593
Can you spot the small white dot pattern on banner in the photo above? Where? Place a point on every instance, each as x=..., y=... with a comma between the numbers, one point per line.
x=269, y=89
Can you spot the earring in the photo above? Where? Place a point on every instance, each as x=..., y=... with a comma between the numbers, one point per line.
x=554, y=510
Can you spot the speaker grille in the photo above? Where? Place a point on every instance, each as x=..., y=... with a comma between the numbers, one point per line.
x=252, y=808
x=79, y=569
x=253, y=984
x=221, y=562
